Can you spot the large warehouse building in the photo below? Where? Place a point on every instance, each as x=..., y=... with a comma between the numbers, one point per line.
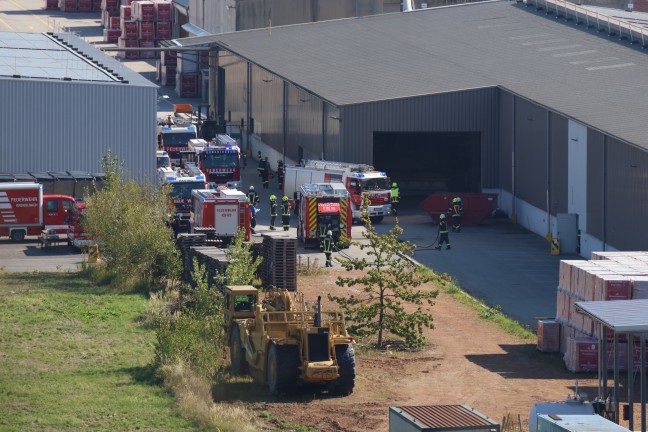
x=488, y=97
x=65, y=103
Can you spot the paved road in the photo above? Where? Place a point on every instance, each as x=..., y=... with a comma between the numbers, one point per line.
x=500, y=263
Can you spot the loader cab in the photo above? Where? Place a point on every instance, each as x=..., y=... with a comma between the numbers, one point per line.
x=240, y=302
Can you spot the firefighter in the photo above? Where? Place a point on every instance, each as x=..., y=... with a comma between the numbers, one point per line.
x=327, y=247
x=456, y=210
x=285, y=213
x=395, y=198
x=252, y=218
x=265, y=173
x=443, y=233
x=253, y=197
x=273, y=211
x=280, y=173
x=261, y=166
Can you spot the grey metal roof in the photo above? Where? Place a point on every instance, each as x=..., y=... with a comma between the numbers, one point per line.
x=60, y=57
x=575, y=71
x=623, y=316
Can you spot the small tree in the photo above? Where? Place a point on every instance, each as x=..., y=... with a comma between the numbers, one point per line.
x=128, y=221
x=388, y=286
x=242, y=264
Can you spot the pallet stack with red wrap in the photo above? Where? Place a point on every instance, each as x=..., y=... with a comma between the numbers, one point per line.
x=608, y=276
x=51, y=5
x=110, y=20
x=167, y=66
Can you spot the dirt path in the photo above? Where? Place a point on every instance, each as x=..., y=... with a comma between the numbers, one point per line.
x=469, y=361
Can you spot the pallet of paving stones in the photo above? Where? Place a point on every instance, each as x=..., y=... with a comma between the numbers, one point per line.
x=279, y=267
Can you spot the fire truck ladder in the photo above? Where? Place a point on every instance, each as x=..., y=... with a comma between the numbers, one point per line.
x=344, y=166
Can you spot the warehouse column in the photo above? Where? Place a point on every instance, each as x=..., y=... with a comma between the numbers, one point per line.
x=213, y=83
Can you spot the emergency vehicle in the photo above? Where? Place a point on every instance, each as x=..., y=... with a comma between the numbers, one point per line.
x=323, y=207
x=359, y=179
x=76, y=235
x=24, y=210
x=163, y=160
x=219, y=159
x=175, y=139
x=220, y=213
x=183, y=181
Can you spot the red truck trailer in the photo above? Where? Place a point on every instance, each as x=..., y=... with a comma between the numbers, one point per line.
x=219, y=213
x=25, y=211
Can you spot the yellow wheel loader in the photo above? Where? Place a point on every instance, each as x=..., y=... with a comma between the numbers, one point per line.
x=281, y=341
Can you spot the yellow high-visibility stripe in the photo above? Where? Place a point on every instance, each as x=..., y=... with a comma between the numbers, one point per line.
x=312, y=215
x=343, y=216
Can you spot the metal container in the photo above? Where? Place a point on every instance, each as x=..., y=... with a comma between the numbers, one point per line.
x=439, y=418
x=576, y=423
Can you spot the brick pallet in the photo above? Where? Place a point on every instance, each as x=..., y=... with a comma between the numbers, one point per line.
x=279, y=267
x=608, y=276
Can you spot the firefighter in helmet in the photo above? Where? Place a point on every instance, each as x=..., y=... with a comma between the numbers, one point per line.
x=285, y=213
x=456, y=210
x=443, y=233
x=395, y=198
x=265, y=173
x=252, y=218
x=253, y=197
x=327, y=247
x=273, y=211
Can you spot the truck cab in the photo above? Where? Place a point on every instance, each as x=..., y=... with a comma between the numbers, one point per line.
x=76, y=235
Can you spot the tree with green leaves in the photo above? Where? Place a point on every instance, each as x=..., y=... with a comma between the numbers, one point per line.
x=129, y=222
x=389, y=289
x=242, y=263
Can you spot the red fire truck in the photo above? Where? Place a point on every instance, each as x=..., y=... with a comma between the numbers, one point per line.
x=219, y=213
x=76, y=235
x=25, y=211
x=174, y=140
x=359, y=179
x=323, y=207
x=183, y=181
x=219, y=159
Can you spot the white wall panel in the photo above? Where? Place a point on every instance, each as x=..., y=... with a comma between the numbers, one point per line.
x=577, y=172
x=62, y=126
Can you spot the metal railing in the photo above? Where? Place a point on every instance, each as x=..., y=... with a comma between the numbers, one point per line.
x=602, y=23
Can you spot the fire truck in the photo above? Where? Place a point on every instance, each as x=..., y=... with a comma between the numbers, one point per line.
x=219, y=159
x=25, y=211
x=359, y=179
x=163, y=160
x=76, y=235
x=323, y=207
x=175, y=139
x=219, y=213
x=183, y=181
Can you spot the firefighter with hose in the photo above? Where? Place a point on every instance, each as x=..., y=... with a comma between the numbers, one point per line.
x=443, y=233
x=285, y=213
x=456, y=211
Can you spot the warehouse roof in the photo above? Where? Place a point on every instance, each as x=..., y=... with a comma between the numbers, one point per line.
x=60, y=57
x=573, y=70
x=622, y=316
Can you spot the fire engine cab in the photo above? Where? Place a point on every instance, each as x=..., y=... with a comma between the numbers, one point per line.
x=219, y=213
x=76, y=235
x=183, y=181
x=323, y=207
x=360, y=181
x=219, y=159
x=173, y=140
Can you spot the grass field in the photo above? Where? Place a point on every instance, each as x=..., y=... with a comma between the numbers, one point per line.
x=73, y=356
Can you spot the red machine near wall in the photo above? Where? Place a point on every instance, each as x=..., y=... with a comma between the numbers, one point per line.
x=477, y=207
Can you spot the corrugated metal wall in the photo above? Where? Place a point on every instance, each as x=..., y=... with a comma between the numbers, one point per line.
x=235, y=86
x=595, y=183
x=558, y=164
x=304, y=124
x=267, y=107
x=505, y=140
x=62, y=126
x=466, y=111
x=626, y=206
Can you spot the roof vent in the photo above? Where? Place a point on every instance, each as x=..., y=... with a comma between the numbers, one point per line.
x=67, y=79
x=15, y=76
x=124, y=81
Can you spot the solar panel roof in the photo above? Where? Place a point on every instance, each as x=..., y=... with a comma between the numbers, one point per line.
x=46, y=57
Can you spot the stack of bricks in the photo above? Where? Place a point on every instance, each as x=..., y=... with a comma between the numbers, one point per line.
x=608, y=276
x=110, y=20
x=166, y=68
x=187, y=74
x=279, y=265
x=143, y=24
x=73, y=5
x=129, y=33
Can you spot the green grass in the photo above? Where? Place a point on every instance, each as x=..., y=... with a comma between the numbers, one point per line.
x=74, y=356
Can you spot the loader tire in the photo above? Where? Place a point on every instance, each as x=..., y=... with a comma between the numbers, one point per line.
x=345, y=356
x=283, y=368
x=237, y=353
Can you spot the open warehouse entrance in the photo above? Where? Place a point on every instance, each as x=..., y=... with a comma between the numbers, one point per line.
x=427, y=162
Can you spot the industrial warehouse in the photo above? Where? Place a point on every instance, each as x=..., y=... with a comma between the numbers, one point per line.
x=66, y=103
x=487, y=97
